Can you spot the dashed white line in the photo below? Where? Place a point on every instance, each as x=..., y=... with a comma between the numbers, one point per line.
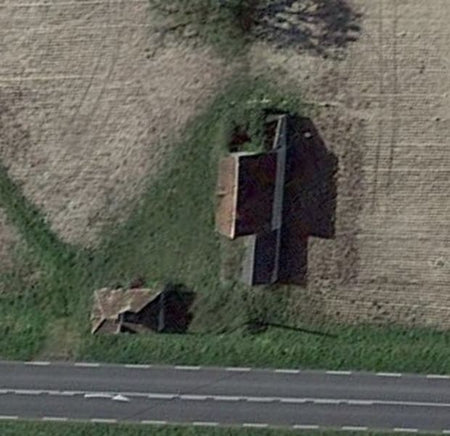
x=445, y=431
x=339, y=372
x=438, y=376
x=255, y=425
x=324, y=400
x=159, y=396
x=136, y=366
x=238, y=369
x=225, y=398
x=193, y=397
x=388, y=374
x=153, y=422
x=104, y=420
x=360, y=402
x=26, y=392
x=54, y=418
x=353, y=428
x=287, y=371
x=260, y=399
x=205, y=424
x=36, y=362
x=293, y=400
x=305, y=427
x=98, y=395
x=87, y=364
x=405, y=430
x=8, y=417
x=187, y=368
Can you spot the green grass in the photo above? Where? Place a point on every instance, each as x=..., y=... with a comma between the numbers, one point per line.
x=358, y=348
x=85, y=429
x=170, y=237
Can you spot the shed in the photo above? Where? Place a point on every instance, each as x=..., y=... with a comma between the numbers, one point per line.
x=127, y=310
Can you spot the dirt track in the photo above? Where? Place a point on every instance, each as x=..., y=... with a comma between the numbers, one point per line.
x=88, y=101
x=386, y=114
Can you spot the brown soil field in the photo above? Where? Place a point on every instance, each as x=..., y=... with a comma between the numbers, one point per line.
x=385, y=113
x=87, y=100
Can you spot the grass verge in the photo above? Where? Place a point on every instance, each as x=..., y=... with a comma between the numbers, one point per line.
x=170, y=237
x=86, y=429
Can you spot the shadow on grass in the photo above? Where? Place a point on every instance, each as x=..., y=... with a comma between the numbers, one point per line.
x=259, y=327
x=321, y=27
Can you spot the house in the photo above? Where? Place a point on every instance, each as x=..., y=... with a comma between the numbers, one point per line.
x=246, y=189
x=276, y=199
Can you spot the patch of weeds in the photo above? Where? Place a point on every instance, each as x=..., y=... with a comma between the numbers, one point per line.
x=224, y=24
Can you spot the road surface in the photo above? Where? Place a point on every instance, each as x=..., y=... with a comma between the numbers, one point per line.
x=223, y=396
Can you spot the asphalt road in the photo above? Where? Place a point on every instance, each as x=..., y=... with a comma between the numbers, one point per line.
x=216, y=396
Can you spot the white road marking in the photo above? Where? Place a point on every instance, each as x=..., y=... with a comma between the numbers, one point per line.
x=193, y=397
x=103, y=420
x=120, y=397
x=8, y=417
x=152, y=422
x=158, y=396
x=226, y=398
x=188, y=368
x=305, y=427
x=360, y=402
x=54, y=418
x=445, y=431
x=324, y=400
x=260, y=399
x=26, y=392
x=135, y=366
x=123, y=396
x=279, y=370
x=97, y=395
x=3, y=391
x=406, y=430
x=255, y=425
x=293, y=400
x=287, y=371
x=87, y=364
x=353, y=428
x=205, y=424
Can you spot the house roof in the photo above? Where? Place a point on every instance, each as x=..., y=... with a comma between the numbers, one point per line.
x=110, y=303
x=246, y=185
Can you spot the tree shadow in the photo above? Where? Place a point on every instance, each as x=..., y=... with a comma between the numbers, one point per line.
x=322, y=27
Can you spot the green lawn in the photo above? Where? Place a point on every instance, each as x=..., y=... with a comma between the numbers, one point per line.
x=28, y=428
x=170, y=237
